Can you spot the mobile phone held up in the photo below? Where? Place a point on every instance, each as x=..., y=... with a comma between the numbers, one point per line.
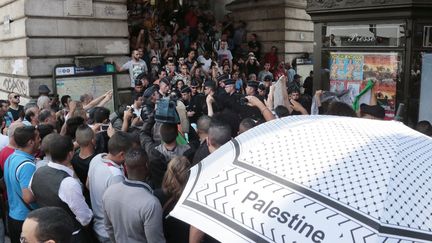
x=104, y=127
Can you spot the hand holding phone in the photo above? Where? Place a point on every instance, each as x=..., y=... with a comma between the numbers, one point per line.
x=104, y=127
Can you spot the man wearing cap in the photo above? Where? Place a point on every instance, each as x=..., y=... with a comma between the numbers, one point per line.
x=251, y=88
x=249, y=111
x=220, y=90
x=43, y=90
x=375, y=112
x=230, y=100
x=136, y=66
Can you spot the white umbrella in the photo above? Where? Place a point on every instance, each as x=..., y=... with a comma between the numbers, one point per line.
x=315, y=179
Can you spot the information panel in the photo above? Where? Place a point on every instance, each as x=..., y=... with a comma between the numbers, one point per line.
x=94, y=85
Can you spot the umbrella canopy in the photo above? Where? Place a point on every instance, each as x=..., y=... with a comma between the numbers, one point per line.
x=315, y=179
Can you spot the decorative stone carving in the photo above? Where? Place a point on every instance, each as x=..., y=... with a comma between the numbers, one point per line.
x=345, y=3
x=382, y=1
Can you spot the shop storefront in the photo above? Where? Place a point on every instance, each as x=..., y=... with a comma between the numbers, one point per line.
x=386, y=42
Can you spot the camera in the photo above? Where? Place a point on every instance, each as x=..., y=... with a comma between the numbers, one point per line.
x=243, y=101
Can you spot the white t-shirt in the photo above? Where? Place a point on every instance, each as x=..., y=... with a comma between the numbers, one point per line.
x=135, y=69
x=4, y=141
x=102, y=173
x=224, y=54
x=206, y=62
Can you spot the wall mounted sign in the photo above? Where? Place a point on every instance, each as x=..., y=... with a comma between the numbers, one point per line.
x=427, y=36
x=79, y=7
x=363, y=35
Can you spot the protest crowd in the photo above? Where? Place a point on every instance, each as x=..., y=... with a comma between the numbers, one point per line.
x=75, y=171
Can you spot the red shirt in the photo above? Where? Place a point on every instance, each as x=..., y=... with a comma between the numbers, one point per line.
x=272, y=59
x=4, y=154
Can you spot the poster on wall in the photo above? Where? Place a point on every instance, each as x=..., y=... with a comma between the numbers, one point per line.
x=352, y=71
x=425, y=111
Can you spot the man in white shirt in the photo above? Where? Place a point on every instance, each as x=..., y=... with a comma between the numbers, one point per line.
x=136, y=66
x=206, y=61
x=224, y=53
x=106, y=170
x=54, y=185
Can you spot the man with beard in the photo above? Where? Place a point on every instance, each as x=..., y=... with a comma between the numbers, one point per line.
x=135, y=66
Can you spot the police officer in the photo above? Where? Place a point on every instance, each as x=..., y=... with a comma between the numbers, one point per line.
x=193, y=107
x=248, y=111
x=220, y=90
x=231, y=99
x=252, y=88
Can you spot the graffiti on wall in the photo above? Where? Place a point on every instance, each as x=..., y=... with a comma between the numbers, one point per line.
x=15, y=85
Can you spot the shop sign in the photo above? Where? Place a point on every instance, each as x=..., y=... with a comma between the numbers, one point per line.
x=364, y=35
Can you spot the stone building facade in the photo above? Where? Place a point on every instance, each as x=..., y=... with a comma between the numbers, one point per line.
x=282, y=23
x=36, y=35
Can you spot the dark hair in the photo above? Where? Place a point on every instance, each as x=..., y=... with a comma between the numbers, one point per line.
x=3, y=102
x=136, y=97
x=230, y=118
x=64, y=100
x=54, y=223
x=248, y=123
x=23, y=135
x=281, y=111
x=28, y=115
x=203, y=123
x=45, y=129
x=424, y=127
x=60, y=147
x=84, y=135
x=136, y=158
x=100, y=114
x=219, y=133
x=44, y=114
x=72, y=124
x=337, y=108
x=293, y=90
x=168, y=132
x=119, y=142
